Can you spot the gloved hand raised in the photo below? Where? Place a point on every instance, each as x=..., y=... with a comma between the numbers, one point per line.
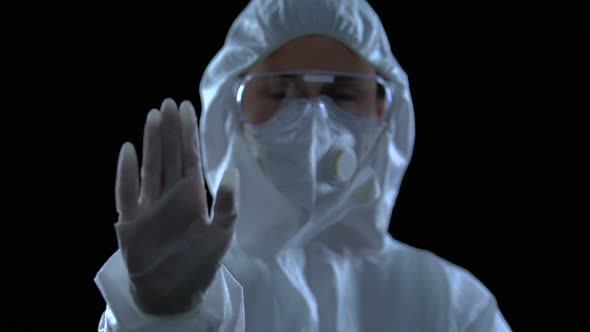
x=170, y=245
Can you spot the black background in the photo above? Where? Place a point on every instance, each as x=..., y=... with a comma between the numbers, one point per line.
x=483, y=80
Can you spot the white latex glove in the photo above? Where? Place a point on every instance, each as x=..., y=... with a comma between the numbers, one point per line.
x=171, y=246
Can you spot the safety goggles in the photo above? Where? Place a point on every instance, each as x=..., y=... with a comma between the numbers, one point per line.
x=260, y=96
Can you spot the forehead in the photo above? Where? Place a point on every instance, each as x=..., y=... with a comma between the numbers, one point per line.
x=313, y=53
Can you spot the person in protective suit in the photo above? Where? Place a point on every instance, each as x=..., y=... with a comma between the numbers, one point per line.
x=306, y=130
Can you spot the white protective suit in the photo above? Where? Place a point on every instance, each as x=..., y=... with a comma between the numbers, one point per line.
x=338, y=270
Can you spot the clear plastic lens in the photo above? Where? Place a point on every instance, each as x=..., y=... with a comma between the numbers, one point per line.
x=260, y=96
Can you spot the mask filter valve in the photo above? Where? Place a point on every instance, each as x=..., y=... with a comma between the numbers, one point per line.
x=340, y=165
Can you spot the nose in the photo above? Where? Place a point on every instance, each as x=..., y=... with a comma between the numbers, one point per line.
x=311, y=90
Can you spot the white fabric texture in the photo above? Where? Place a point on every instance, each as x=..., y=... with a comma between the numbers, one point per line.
x=299, y=160
x=337, y=268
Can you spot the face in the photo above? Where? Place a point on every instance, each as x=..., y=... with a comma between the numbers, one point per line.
x=316, y=53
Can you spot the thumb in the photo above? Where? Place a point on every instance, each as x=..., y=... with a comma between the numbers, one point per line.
x=225, y=207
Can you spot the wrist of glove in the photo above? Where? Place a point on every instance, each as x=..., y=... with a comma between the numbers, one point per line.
x=171, y=303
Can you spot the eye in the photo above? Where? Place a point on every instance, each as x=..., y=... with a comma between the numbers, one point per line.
x=281, y=90
x=343, y=95
x=277, y=94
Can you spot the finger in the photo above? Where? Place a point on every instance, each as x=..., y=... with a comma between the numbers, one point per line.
x=151, y=166
x=225, y=209
x=127, y=183
x=171, y=146
x=190, y=150
x=191, y=155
